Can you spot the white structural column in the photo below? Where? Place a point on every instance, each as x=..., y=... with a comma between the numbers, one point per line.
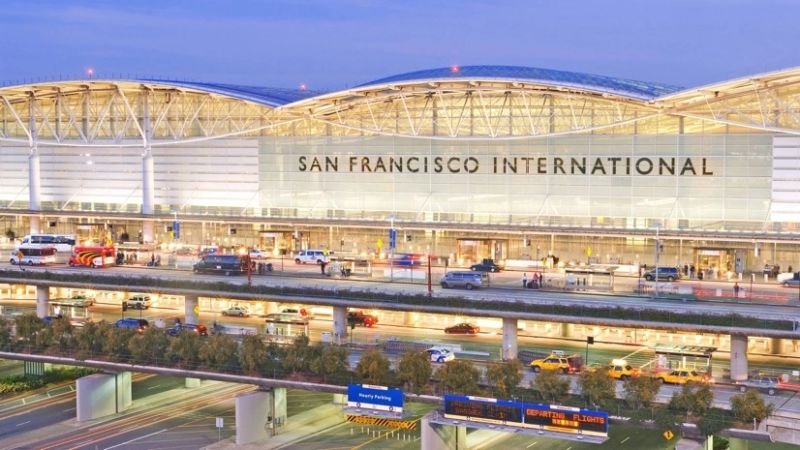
x=442, y=437
x=102, y=394
x=34, y=171
x=190, y=303
x=339, y=324
x=738, y=357
x=509, y=338
x=191, y=383
x=258, y=414
x=148, y=176
x=42, y=299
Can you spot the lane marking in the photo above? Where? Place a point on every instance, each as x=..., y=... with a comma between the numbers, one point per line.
x=23, y=423
x=531, y=445
x=136, y=439
x=154, y=387
x=624, y=440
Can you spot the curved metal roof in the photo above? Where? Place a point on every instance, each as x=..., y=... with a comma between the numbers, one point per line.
x=620, y=86
x=269, y=96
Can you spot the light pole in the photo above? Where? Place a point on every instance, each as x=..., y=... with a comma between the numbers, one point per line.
x=658, y=252
x=589, y=340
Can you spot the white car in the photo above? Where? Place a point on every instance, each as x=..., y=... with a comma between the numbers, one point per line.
x=440, y=355
x=239, y=311
x=258, y=254
x=139, y=301
x=311, y=257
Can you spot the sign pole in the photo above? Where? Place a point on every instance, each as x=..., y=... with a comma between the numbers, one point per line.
x=430, y=288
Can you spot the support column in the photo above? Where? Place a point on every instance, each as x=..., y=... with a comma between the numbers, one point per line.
x=191, y=383
x=738, y=357
x=34, y=188
x=776, y=347
x=442, y=437
x=253, y=410
x=339, y=324
x=148, y=183
x=509, y=338
x=566, y=330
x=102, y=394
x=191, y=309
x=42, y=301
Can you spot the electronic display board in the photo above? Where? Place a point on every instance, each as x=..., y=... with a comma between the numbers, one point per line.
x=530, y=415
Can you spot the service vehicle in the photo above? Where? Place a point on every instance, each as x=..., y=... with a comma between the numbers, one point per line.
x=238, y=311
x=33, y=256
x=440, y=355
x=139, y=301
x=559, y=361
x=93, y=257
x=466, y=280
x=222, y=264
x=463, y=328
x=683, y=376
x=81, y=300
x=360, y=318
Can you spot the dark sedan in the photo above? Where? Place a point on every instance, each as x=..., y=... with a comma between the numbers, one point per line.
x=485, y=266
x=463, y=328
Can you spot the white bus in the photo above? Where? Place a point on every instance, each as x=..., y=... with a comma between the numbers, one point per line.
x=62, y=243
x=30, y=256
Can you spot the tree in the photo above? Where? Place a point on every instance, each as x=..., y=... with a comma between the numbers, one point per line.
x=550, y=385
x=693, y=399
x=184, y=350
x=91, y=339
x=149, y=347
x=505, y=377
x=28, y=326
x=299, y=355
x=6, y=343
x=220, y=352
x=714, y=421
x=115, y=343
x=414, y=369
x=252, y=355
x=596, y=386
x=331, y=361
x=750, y=407
x=640, y=391
x=459, y=376
x=373, y=367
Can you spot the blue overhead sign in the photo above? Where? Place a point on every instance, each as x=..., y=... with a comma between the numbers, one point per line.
x=392, y=238
x=378, y=398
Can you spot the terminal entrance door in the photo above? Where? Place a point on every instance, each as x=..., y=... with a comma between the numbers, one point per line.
x=713, y=263
x=473, y=250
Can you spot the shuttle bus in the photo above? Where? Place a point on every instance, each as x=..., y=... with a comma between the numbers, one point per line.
x=62, y=243
x=30, y=256
x=93, y=256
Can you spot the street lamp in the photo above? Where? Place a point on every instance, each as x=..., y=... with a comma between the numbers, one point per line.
x=589, y=340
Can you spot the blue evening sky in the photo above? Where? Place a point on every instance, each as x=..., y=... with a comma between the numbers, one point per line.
x=335, y=44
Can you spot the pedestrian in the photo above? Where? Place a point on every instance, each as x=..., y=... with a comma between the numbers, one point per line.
x=736, y=290
x=322, y=267
x=524, y=280
x=20, y=255
x=536, y=279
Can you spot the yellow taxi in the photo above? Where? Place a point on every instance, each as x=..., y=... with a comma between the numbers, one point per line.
x=558, y=361
x=620, y=369
x=683, y=376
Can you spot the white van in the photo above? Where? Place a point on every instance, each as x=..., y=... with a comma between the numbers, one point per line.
x=311, y=257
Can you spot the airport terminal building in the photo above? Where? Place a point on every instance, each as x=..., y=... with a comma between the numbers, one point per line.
x=465, y=162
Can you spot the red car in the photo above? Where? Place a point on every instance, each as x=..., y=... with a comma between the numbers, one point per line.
x=463, y=328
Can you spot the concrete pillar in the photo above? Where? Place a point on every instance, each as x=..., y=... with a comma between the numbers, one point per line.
x=191, y=309
x=777, y=346
x=340, y=399
x=738, y=357
x=34, y=170
x=253, y=410
x=566, y=330
x=192, y=383
x=42, y=299
x=102, y=394
x=148, y=177
x=442, y=437
x=339, y=324
x=509, y=338
x=279, y=409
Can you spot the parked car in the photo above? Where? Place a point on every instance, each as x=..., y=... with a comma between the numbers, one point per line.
x=664, y=273
x=139, y=301
x=466, y=280
x=199, y=329
x=763, y=383
x=81, y=300
x=487, y=265
x=463, y=328
x=440, y=355
x=311, y=257
x=239, y=311
x=139, y=324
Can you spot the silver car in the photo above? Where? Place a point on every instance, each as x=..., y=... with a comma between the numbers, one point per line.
x=466, y=280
